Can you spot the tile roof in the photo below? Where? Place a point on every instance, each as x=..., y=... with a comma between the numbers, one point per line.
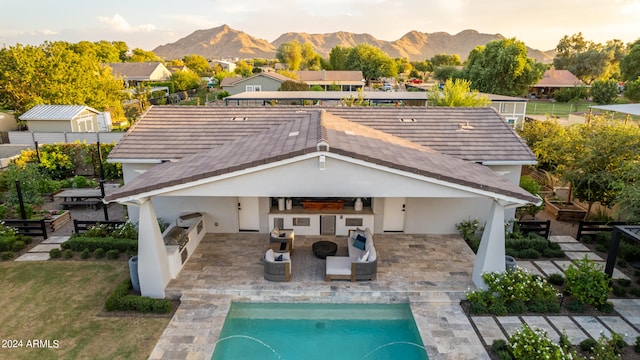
x=558, y=78
x=231, y=81
x=344, y=137
x=135, y=70
x=172, y=132
x=329, y=75
x=55, y=112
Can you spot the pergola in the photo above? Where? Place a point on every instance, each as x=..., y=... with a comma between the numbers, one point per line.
x=631, y=231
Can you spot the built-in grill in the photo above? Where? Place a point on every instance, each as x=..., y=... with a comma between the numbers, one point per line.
x=176, y=236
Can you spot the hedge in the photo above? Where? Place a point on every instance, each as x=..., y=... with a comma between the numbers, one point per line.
x=7, y=243
x=121, y=300
x=107, y=243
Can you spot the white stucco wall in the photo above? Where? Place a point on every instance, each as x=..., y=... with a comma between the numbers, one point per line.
x=439, y=216
x=220, y=213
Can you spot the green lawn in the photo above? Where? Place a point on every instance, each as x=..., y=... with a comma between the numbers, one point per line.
x=62, y=300
x=555, y=108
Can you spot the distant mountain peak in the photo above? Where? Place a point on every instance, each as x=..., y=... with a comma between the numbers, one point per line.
x=225, y=42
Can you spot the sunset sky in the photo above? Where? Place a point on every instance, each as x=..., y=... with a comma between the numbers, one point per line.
x=147, y=24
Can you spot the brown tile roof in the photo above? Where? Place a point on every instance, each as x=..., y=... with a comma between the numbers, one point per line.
x=558, y=78
x=329, y=75
x=134, y=70
x=344, y=137
x=237, y=79
x=172, y=132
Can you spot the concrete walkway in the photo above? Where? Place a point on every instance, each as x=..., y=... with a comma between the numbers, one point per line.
x=40, y=252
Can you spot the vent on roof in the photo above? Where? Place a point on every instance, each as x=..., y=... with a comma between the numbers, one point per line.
x=239, y=118
x=464, y=126
x=349, y=132
x=407, y=120
x=294, y=133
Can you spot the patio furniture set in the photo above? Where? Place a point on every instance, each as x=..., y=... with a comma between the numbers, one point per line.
x=360, y=264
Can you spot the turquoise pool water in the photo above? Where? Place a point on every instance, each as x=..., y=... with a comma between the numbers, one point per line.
x=319, y=331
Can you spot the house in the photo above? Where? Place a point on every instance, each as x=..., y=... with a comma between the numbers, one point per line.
x=269, y=81
x=66, y=118
x=416, y=170
x=553, y=80
x=136, y=73
x=225, y=65
x=332, y=79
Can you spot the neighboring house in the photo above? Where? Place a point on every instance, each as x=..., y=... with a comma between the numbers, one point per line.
x=514, y=109
x=136, y=73
x=553, y=80
x=66, y=118
x=417, y=171
x=344, y=80
x=225, y=65
x=269, y=81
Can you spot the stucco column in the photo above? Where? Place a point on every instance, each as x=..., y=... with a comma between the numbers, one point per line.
x=490, y=256
x=153, y=264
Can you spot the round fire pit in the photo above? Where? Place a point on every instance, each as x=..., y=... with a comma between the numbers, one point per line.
x=322, y=249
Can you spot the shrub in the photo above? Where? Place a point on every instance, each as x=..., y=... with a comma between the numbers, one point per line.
x=79, y=243
x=588, y=345
x=498, y=307
x=624, y=282
x=18, y=245
x=98, y=253
x=498, y=345
x=635, y=292
x=113, y=254
x=504, y=355
x=619, y=291
x=575, y=306
x=79, y=181
x=636, y=346
x=517, y=307
x=533, y=343
x=529, y=254
x=55, y=253
x=556, y=279
x=587, y=281
x=7, y=255
x=606, y=308
x=68, y=254
x=85, y=254
x=121, y=300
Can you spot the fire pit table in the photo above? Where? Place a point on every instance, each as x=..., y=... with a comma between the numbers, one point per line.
x=322, y=249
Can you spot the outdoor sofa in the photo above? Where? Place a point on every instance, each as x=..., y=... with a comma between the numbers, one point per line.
x=362, y=262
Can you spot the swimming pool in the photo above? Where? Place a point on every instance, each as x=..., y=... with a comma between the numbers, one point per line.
x=319, y=331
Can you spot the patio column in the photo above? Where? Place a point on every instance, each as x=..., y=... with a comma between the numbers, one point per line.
x=153, y=264
x=490, y=256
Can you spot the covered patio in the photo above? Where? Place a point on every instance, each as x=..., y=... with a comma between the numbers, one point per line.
x=431, y=272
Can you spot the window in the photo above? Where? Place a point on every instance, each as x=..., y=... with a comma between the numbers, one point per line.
x=249, y=88
x=301, y=222
x=252, y=88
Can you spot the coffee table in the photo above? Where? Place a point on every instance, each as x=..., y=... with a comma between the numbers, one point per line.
x=322, y=249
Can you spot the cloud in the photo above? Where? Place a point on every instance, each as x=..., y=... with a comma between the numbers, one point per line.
x=120, y=24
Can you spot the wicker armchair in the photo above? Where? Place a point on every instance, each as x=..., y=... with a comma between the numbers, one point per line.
x=275, y=270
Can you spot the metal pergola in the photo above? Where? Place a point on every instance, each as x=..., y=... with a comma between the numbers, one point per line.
x=632, y=232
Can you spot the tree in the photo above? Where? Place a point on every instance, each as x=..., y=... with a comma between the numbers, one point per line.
x=545, y=139
x=185, y=80
x=290, y=54
x=292, y=85
x=604, y=92
x=223, y=74
x=588, y=60
x=310, y=59
x=456, y=94
x=338, y=58
x=243, y=68
x=502, y=67
x=140, y=55
x=197, y=64
x=446, y=60
x=53, y=73
x=422, y=66
x=446, y=72
x=403, y=65
x=372, y=61
x=630, y=63
x=596, y=156
x=632, y=90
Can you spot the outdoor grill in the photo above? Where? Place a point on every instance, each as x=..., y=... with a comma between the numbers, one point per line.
x=176, y=236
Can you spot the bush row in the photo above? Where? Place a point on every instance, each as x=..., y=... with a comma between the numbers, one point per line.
x=14, y=243
x=121, y=300
x=105, y=243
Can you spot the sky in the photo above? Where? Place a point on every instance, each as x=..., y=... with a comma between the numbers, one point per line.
x=147, y=24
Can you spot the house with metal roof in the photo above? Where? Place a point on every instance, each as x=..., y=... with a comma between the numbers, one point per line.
x=415, y=170
x=66, y=118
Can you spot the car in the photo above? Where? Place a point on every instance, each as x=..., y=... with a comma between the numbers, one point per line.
x=387, y=87
x=415, y=81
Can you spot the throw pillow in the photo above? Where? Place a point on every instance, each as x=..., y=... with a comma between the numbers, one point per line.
x=269, y=256
x=279, y=257
x=364, y=256
x=359, y=244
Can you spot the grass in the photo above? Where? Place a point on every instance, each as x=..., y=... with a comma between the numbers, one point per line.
x=61, y=301
x=558, y=109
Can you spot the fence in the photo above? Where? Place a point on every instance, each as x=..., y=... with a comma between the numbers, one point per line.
x=594, y=227
x=541, y=228
x=29, y=227
x=30, y=138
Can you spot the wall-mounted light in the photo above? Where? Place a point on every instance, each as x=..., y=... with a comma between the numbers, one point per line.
x=322, y=161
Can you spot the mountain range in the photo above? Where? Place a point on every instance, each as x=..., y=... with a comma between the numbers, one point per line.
x=225, y=42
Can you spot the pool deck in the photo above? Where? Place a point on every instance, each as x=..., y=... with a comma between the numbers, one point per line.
x=431, y=272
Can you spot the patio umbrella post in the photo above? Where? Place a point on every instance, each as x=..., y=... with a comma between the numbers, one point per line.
x=37, y=151
x=100, y=162
x=104, y=206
